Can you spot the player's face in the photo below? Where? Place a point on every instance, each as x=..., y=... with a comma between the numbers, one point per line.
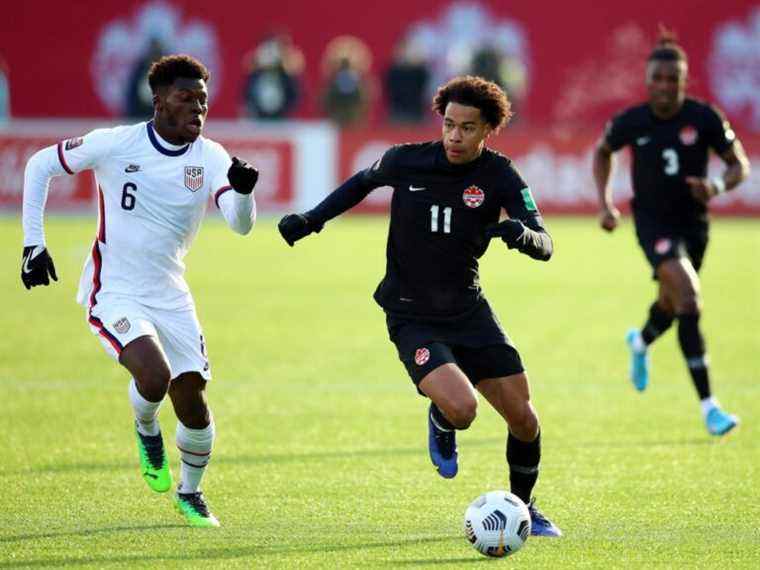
x=181, y=110
x=666, y=82
x=464, y=133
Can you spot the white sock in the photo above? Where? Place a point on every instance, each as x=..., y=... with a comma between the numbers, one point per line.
x=146, y=413
x=195, y=451
x=638, y=343
x=708, y=404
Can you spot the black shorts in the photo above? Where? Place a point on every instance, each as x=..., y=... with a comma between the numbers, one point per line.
x=661, y=242
x=476, y=343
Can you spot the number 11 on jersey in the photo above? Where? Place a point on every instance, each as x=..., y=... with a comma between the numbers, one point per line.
x=434, y=209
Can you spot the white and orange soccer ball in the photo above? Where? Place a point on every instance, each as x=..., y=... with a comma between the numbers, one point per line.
x=497, y=524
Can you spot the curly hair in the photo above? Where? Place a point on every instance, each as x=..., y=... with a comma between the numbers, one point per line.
x=475, y=92
x=167, y=69
x=667, y=48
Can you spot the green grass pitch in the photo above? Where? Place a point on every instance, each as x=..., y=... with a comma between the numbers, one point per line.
x=321, y=458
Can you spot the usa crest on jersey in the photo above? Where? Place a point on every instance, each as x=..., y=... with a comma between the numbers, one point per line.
x=193, y=177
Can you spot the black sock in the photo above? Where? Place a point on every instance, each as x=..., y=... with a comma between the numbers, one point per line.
x=658, y=322
x=439, y=418
x=523, y=458
x=693, y=349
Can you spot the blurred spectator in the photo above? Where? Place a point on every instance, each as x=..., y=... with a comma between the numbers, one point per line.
x=348, y=86
x=139, y=98
x=406, y=83
x=505, y=70
x=5, y=92
x=273, y=69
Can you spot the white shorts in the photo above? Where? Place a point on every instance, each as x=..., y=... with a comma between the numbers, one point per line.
x=117, y=321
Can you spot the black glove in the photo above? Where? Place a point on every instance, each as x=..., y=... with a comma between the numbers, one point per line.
x=242, y=176
x=36, y=263
x=297, y=226
x=509, y=231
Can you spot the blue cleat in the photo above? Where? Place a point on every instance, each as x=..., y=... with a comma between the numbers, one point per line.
x=442, y=445
x=719, y=422
x=639, y=360
x=539, y=524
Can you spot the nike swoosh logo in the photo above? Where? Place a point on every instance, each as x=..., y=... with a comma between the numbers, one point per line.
x=416, y=189
x=132, y=168
x=151, y=475
x=25, y=267
x=641, y=141
x=32, y=254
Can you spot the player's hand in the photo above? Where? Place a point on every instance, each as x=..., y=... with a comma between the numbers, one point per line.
x=242, y=176
x=297, y=226
x=701, y=188
x=608, y=218
x=509, y=231
x=36, y=264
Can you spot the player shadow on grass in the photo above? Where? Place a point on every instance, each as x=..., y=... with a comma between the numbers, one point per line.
x=255, y=459
x=204, y=553
x=85, y=532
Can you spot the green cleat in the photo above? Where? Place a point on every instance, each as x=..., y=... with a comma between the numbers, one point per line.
x=154, y=464
x=193, y=506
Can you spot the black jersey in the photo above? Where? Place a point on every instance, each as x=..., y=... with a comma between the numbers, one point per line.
x=666, y=151
x=439, y=212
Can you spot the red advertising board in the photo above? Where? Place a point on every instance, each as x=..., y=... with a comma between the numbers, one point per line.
x=273, y=157
x=556, y=164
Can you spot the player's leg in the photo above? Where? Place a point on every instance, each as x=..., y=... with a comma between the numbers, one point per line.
x=146, y=362
x=510, y=396
x=129, y=336
x=657, y=246
x=679, y=277
x=453, y=405
x=185, y=348
x=195, y=440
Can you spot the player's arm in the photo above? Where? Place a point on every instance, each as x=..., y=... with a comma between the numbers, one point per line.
x=525, y=230
x=294, y=227
x=602, y=165
x=238, y=206
x=737, y=170
x=722, y=139
x=67, y=157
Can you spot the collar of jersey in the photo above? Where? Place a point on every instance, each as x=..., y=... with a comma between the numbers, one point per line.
x=157, y=145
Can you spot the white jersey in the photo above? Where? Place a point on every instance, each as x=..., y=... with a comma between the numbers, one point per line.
x=151, y=199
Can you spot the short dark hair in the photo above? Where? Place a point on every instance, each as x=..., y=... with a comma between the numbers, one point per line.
x=667, y=48
x=167, y=69
x=475, y=92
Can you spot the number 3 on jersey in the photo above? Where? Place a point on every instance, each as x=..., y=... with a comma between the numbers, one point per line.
x=446, y=219
x=128, y=200
x=671, y=161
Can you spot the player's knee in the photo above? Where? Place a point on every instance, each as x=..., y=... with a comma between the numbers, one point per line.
x=689, y=303
x=462, y=414
x=153, y=383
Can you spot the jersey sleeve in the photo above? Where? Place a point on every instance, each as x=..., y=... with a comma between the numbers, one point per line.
x=239, y=210
x=517, y=197
x=86, y=152
x=617, y=132
x=720, y=135
x=384, y=172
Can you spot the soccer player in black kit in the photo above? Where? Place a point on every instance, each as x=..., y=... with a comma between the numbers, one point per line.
x=448, y=196
x=670, y=137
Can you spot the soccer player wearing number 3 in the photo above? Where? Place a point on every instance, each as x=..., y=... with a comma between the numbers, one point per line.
x=447, y=199
x=670, y=137
x=154, y=182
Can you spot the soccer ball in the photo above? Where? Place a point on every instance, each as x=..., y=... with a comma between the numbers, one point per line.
x=497, y=524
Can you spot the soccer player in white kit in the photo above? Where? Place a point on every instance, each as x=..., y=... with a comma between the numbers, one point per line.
x=154, y=183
